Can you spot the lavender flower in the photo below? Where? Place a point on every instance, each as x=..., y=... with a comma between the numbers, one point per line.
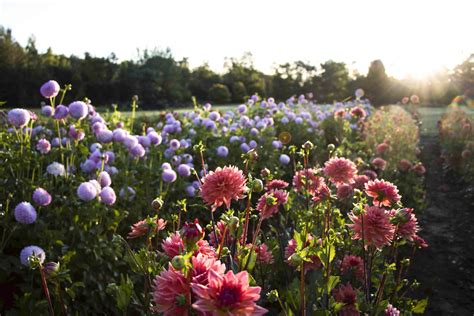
x=30, y=251
x=87, y=191
x=284, y=159
x=155, y=138
x=222, y=151
x=43, y=146
x=175, y=144
x=25, y=213
x=168, y=175
x=165, y=165
x=104, y=179
x=107, y=196
x=137, y=151
x=56, y=169
x=104, y=136
x=50, y=89
x=78, y=110
x=41, y=197
x=47, y=110
x=61, y=112
x=127, y=193
x=190, y=191
x=19, y=117
x=184, y=170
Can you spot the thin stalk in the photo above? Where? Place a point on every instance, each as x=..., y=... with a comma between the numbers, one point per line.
x=46, y=291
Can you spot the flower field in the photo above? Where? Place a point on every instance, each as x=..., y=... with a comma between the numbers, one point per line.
x=278, y=208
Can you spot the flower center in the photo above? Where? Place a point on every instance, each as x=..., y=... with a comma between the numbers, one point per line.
x=229, y=296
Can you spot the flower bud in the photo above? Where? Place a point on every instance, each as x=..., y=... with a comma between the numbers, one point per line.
x=192, y=233
x=50, y=269
x=308, y=145
x=157, y=203
x=234, y=223
x=265, y=173
x=331, y=147
x=257, y=185
x=178, y=262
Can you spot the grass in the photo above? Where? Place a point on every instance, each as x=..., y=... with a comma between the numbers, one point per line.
x=430, y=116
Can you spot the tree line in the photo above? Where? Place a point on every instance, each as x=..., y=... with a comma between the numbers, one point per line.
x=160, y=80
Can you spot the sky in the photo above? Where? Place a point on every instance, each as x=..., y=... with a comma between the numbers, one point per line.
x=413, y=38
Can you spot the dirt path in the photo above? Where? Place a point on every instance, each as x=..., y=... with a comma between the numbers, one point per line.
x=446, y=268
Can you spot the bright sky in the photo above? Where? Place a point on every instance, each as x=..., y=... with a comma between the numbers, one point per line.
x=411, y=37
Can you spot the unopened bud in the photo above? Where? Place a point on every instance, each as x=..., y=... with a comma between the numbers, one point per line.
x=178, y=262
x=50, y=269
x=331, y=147
x=257, y=185
x=157, y=203
x=308, y=145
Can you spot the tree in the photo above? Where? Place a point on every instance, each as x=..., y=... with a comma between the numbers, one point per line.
x=333, y=82
x=219, y=94
x=377, y=83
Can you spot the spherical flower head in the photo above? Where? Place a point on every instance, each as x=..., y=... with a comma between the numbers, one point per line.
x=25, y=213
x=269, y=203
x=61, y=112
x=30, y=251
x=104, y=135
x=378, y=231
x=169, y=175
x=379, y=163
x=50, y=89
x=214, y=115
x=175, y=144
x=344, y=191
x=107, y=196
x=144, y=141
x=41, y=197
x=228, y=294
x=171, y=293
x=127, y=193
x=340, y=170
x=202, y=264
x=222, y=151
x=19, y=117
x=353, y=264
x=47, y=110
x=383, y=192
x=284, y=159
x=78, y=110
x=184, y=170
x=104, y=179
x=191, y=233
x=137, y=151
x=415, y=99
x=264, y=255
x=391, y=311
x=276, y=184
x=43, y=146
x=223, y=185
x=87, y=191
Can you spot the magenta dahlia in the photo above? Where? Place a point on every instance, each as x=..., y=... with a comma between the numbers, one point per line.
x=269, y=203
x=383, y=192
x=340, y=170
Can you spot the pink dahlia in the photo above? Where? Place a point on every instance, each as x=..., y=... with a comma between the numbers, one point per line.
x=353, y=264
x=408, y=223
x=340, y=170
x=269, y=202
x=404, y=165
x=383, y=192
x=360, y=181
x=379, y=163
x=381, y=148
x=344, y=191
x=264, y=255
x=222, y=186
x=340, y=113
x=228, y=294
x=276, y=184
x=205, y=249
x=378, y=231
x=173, y=245
x=419, y=169
x=202, y=264
x=171, y=293
x=142, y=228
x=347, y=295
x=419, y=242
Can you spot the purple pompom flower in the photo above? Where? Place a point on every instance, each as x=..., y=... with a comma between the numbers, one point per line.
x=175, y=144
x=87, y=191
x=222, y=151
x=41, y=197
x=19, y=117
x=30, y=251
x=25, y=213
x=104, y=179
x=50, y=89
x=137, y=151
x=47, y=110
x=284, y=159
x=104, y=136
x=107, y=196
x=184, y=170
x=43, y=146
x=61, y=112
x=78, y=110
x=56, y=169
x=168, y=175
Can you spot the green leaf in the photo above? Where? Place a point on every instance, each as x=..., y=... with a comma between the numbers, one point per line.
x=332, y=282
x=420, y=306
x=3, y=103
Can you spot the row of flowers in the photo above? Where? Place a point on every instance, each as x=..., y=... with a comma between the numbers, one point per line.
x=64, y=167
